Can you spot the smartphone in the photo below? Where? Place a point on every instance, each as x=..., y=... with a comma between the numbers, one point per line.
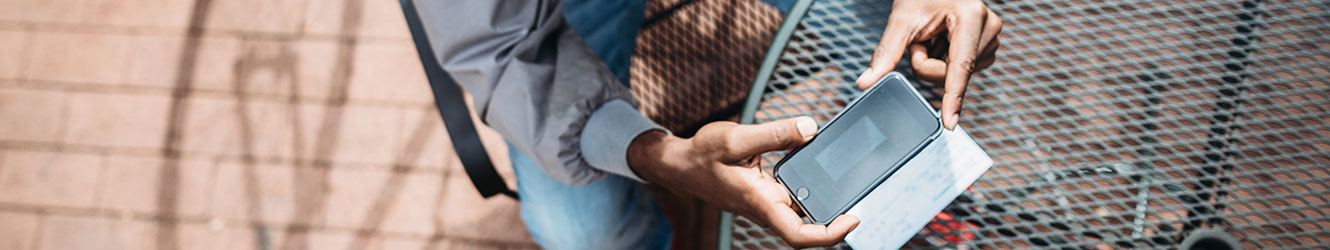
x=859, y=148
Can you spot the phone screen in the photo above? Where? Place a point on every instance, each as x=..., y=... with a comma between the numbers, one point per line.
x=854, y=151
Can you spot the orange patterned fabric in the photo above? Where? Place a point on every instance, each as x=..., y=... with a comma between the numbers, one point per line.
x=696, y=63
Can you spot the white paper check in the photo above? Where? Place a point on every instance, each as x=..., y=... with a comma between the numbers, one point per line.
x=893, y=212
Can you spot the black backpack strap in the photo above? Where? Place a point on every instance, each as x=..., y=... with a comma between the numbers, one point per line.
x=456, y=117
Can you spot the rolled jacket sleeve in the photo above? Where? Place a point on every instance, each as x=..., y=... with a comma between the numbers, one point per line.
x=536, y=82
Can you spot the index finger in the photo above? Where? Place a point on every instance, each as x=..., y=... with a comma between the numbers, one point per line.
x=748, y=140
x=965, y=31
x=888, y=52
x=789, y=226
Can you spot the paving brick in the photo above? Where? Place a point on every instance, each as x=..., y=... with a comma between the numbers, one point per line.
x=324, y=17
x=378, y=19
x=200, y=237
x=62, y=232
x=211, y=128
x=282, y=68
x=389, y=202
x=231, y=194
x=12, y=44
x=352, y=193
x=266, y=66
x=165, y=13
x=215, y=61
x=261, y=192
x=414, y=207
x=131, y=183
x=389, y=71
x=283, y=16
x=331, y=240
x=49, y=179
x=117, y=120
x=283, y=130
x=196, y=182
x=42, y=11
x=349, y=240
x=383, y=20
x=369, y=135
x=153, y=61
x=389, y=243
x=18, y=231
x=317, y=61
x=439, y=149
x=474, y=217
x=85, y=58
x=482, y=245
x=41, y=114
x=273, y=68
x=277, y=192
x=231, y=237
x=216, y=127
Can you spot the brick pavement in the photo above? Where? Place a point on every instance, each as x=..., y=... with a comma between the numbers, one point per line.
x=236, y=124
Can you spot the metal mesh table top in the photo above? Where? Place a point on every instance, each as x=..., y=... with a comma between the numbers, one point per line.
x=1114, y=124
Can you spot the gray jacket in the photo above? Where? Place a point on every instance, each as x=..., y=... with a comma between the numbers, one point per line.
x=535, y=81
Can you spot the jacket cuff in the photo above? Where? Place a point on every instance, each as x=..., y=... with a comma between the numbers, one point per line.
x=608, y=132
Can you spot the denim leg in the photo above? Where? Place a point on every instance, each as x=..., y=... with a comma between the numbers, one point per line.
x=782, y=5
x=611, y=213
x=609, y=28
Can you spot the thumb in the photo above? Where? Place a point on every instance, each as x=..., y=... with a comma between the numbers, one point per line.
x=745, y=141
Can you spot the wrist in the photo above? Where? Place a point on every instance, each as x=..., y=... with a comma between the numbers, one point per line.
x=647, y=154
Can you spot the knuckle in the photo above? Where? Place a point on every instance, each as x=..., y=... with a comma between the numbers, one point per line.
x=972, y=8
x=905, y=22
x=954, y=94
x=879, y=54
x=729, y=141
x=714, y=129
x=994, y=22
x=967, y=66
x=900, y=19
x=781, y=135
x=964, y=64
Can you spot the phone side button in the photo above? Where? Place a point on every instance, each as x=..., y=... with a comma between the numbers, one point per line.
x=801, y=193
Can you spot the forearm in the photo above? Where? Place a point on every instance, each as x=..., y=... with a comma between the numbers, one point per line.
x=535, y=82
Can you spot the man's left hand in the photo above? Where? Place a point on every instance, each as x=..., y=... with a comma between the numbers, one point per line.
x=971, y=29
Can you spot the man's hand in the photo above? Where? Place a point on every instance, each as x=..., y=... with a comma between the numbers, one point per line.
x=720, y=166
x=969, y=26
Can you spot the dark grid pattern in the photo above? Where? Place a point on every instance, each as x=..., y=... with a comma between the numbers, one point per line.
x=1114, y=124
x=694, y=60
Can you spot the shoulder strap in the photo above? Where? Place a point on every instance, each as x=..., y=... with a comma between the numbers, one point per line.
x=456, y=117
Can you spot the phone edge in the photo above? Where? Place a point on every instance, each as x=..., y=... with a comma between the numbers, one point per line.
x=895, y=166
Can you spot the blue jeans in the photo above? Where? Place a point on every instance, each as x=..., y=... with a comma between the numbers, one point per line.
x=614, y=212
x=611, y=213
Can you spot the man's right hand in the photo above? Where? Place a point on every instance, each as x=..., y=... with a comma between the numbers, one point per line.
x=720, y=165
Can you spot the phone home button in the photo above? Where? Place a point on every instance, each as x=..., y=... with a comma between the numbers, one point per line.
x=801, y=193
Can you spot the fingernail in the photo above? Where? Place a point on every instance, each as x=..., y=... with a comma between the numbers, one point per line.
x=863, y=75
x=955, y=119
x=807, y=127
